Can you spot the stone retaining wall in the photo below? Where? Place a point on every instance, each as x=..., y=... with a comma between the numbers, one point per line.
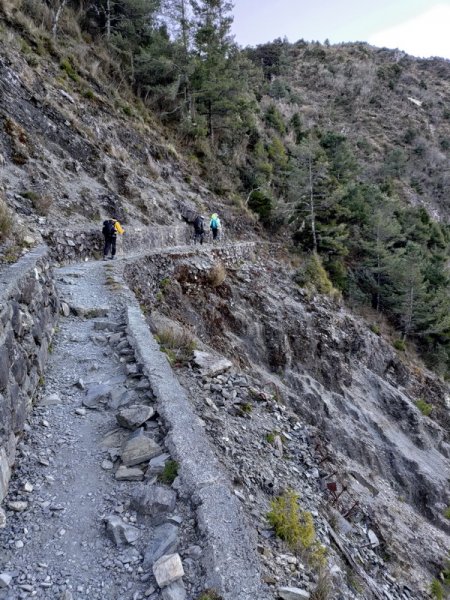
x=28, y=312
x=68, y=246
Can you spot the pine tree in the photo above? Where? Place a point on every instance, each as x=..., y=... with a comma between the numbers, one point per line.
x=409, y=298
x=216, y=88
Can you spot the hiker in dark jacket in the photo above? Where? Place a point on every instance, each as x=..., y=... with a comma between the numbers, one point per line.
x=111, y=227
x=199, y=229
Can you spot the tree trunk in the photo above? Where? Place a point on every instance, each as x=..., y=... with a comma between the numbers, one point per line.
x=57, y=17
x=108, y=19
x=312, y=207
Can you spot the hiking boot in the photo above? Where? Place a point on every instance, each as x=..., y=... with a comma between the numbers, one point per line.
x=105, y=258
x=112, y=258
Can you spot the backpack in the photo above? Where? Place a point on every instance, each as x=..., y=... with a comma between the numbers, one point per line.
x=198, y=225
x=108, y=228
x=214, y=223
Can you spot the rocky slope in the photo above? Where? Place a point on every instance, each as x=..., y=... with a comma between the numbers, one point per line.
x=381, y=463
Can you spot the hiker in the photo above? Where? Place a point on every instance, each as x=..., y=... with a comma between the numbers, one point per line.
x=199, y=229
x=214, y=225
x=111, y=227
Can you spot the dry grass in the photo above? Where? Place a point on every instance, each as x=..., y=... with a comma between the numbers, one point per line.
x=179, y=345
x=6, y=222
x=217, y=274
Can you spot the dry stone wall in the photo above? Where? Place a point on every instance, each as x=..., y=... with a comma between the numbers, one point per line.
x=72, y=246
x=28, y=312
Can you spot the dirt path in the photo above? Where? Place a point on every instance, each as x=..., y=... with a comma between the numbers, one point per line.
x=55, y=544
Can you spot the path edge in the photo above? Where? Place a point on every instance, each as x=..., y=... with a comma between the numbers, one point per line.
x=230, y=558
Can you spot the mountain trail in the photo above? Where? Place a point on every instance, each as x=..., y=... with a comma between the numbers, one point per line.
x=78, y=526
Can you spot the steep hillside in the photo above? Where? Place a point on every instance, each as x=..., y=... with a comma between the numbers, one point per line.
x=394, y=110
x=333, y=162
x=75, y=149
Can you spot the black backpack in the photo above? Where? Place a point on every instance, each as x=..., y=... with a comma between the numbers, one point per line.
x=198, y=225
x=108, y=228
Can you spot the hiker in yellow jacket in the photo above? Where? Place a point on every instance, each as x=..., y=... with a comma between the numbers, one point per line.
x=111, y=227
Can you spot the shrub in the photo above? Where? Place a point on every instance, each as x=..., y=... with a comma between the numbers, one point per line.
x=169, y=473
x=210, y=595
x=399, y=345
x=261, y=203
x=217, y=274
x=6, y=221
x=322, y=591
x=274, y=119
x=447, y=516
x=178, y=345
x=296, y=527
x=312, y=273
x=66, y=65
x=436, y=590
x=292, y=525
x=374, y=328
x=424, y=407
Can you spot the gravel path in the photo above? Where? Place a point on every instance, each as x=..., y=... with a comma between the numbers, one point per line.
x=55, y=544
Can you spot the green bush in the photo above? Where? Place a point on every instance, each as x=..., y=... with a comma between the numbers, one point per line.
x=424, y=407
x=66, y=65
x=210, y=595
x=296, y=528
x=399, y=345
x=447, y=516
x=286, y=519
x=436, y=590
x=261, y=203
x=274, y=119
x=312, y=273
x=169, y=473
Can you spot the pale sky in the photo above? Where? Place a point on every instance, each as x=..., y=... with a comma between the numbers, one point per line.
x=419, y=27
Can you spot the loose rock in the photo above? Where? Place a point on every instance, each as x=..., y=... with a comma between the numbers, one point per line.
x=168, y=569
x=134, y=416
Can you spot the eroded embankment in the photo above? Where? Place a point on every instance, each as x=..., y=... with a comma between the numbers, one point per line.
x=388, y=464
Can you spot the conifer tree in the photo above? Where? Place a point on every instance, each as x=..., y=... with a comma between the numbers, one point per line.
x=213, y=85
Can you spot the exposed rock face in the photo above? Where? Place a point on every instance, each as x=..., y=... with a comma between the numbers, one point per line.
x=344, y=380
x=28, y=313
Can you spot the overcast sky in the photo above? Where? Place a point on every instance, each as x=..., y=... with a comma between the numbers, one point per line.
x=420, y=27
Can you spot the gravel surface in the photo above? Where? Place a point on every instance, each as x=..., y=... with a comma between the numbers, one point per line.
x=55, y=543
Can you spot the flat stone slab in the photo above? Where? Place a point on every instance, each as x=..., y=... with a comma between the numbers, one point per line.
x=157, y=464
x=97, y=395
x=164, y=541
x=134, y=416
x=211, y=365
x=124, y=473
x=174, y=591
x=139, y=449
x=168, y=569
x=292, y=593
x=154, y=500
x=120, y=532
